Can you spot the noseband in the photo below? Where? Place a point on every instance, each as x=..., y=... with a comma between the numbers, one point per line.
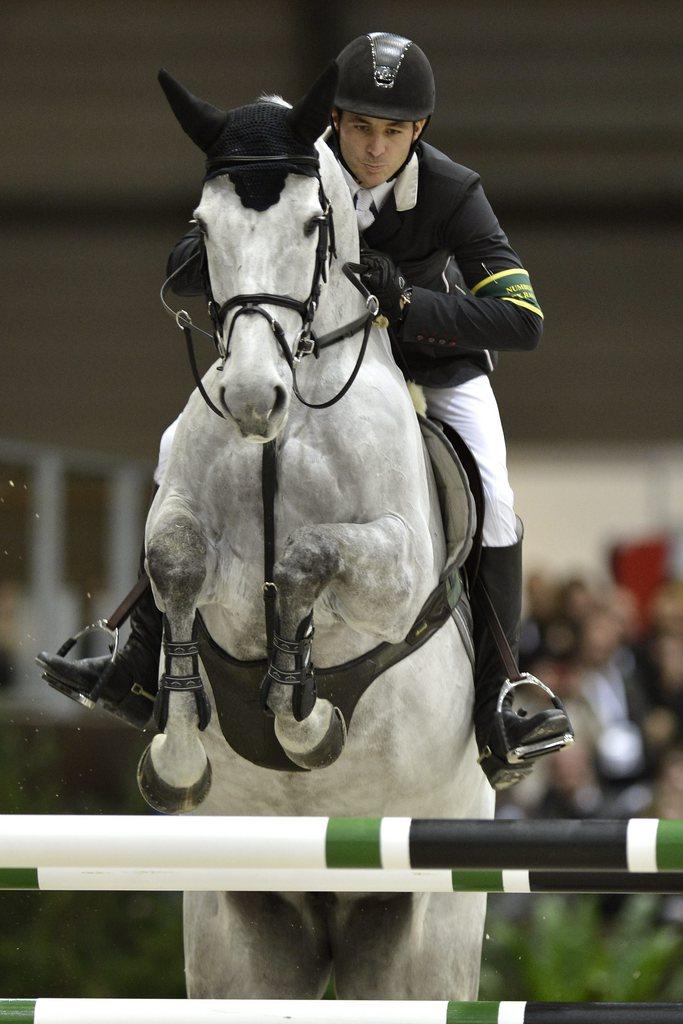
x=306, y=342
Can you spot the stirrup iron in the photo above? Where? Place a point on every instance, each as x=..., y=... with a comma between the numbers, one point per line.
x=538, y=748
x=80, y=698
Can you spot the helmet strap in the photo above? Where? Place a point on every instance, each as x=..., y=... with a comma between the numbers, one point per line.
x=336, y=149
x=412, y=149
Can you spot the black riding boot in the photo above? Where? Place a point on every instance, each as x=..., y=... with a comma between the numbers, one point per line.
x=499, y=736
x=126, y=686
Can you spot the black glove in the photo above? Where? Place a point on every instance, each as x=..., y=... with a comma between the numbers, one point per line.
x=382, y=278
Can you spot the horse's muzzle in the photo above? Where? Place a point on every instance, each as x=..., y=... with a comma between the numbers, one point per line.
x=260, y=420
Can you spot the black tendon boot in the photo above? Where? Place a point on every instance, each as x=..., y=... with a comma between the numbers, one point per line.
x=509, y=740
x=125, y=686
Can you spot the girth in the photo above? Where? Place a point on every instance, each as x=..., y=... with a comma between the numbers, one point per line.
x=236, y=684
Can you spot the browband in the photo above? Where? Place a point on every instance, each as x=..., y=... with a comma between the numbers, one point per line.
x=292, y=158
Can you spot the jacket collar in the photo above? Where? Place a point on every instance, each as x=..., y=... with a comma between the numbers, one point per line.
x=405, y=187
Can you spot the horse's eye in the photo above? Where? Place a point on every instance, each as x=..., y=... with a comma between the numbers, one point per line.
x=201, y=225
x=311, y=225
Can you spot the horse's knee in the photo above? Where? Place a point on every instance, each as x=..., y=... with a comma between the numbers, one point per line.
x=310, y=559
x=176, y=561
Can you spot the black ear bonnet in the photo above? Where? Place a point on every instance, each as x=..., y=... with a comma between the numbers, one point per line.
x=283, y=137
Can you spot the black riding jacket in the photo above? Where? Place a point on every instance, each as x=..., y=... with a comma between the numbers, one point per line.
x=470, y=299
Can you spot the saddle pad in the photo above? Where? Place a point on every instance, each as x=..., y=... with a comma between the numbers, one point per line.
x=458, y=512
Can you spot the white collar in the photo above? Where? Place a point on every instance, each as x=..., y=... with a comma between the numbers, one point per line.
x=404, y=186
x=379, y=193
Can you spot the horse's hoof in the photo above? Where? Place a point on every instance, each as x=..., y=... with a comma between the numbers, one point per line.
x=169, y=799
x=329, y=748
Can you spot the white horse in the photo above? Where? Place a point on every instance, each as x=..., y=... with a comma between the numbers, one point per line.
x=359, y=541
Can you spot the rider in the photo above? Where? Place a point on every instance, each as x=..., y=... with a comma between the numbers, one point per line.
x=454, y=293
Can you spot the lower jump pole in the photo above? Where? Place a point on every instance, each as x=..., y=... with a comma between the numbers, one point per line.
x=128, y=841
x=311, y=1011
x=334, y=880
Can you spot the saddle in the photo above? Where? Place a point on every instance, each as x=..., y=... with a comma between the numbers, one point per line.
x=236, y=684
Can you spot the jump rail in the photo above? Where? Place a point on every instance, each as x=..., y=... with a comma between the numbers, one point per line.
x=276, y=1011
x=335, y=880
x=641, y=845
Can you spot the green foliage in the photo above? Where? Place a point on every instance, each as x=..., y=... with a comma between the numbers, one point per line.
x=564, y=948
x=101, y=945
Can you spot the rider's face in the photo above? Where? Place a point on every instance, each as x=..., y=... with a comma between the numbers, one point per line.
x=373, y=148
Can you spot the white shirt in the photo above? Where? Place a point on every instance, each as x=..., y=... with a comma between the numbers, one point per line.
x=379, y=193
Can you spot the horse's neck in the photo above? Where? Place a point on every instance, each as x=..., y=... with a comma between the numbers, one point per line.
x=340, y=302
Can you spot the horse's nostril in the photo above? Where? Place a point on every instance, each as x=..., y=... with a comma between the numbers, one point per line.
x=280, y=401
x=221, y=396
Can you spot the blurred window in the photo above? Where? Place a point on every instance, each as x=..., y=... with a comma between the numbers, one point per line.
x=14, y=524
x=86, y=531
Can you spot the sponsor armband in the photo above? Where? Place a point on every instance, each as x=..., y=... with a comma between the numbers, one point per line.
x=511, y=285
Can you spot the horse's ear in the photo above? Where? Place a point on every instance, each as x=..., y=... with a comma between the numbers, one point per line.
x=202, y=122
x=311, y=115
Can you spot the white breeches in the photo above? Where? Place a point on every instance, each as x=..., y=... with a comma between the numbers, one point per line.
x=165, y=450
x=472, y=410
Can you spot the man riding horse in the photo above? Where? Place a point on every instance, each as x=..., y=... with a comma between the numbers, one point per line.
x=454, y=294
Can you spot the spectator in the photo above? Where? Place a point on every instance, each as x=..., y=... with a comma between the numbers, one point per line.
x=547, y=631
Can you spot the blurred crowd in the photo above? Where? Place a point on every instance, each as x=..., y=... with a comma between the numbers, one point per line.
x=618, y=667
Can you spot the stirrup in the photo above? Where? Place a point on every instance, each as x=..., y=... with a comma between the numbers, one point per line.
x=538, y=748
x=68, y=645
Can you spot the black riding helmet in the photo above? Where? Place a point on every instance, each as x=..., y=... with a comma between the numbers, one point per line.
x=384, y=75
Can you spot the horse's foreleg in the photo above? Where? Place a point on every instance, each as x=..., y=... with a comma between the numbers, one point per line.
x=174, y=772
x=364, y=567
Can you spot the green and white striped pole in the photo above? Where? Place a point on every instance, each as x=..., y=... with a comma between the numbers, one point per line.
x=310, y=1011
x=395, y=844
x=335, y=880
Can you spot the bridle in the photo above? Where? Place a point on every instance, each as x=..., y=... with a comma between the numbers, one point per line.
x=306, y=342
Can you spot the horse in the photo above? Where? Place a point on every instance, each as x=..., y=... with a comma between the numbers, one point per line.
x=357, y=547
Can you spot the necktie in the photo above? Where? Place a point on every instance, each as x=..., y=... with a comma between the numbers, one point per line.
x=366, y=211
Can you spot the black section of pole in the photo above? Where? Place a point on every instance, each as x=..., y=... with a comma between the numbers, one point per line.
x=534, y=845
x=664, y=882
x=603, y=1013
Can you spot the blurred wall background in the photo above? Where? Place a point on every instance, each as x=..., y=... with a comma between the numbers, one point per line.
x=571, y=113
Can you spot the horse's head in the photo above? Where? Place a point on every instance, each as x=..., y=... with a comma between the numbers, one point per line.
x=266, y=228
